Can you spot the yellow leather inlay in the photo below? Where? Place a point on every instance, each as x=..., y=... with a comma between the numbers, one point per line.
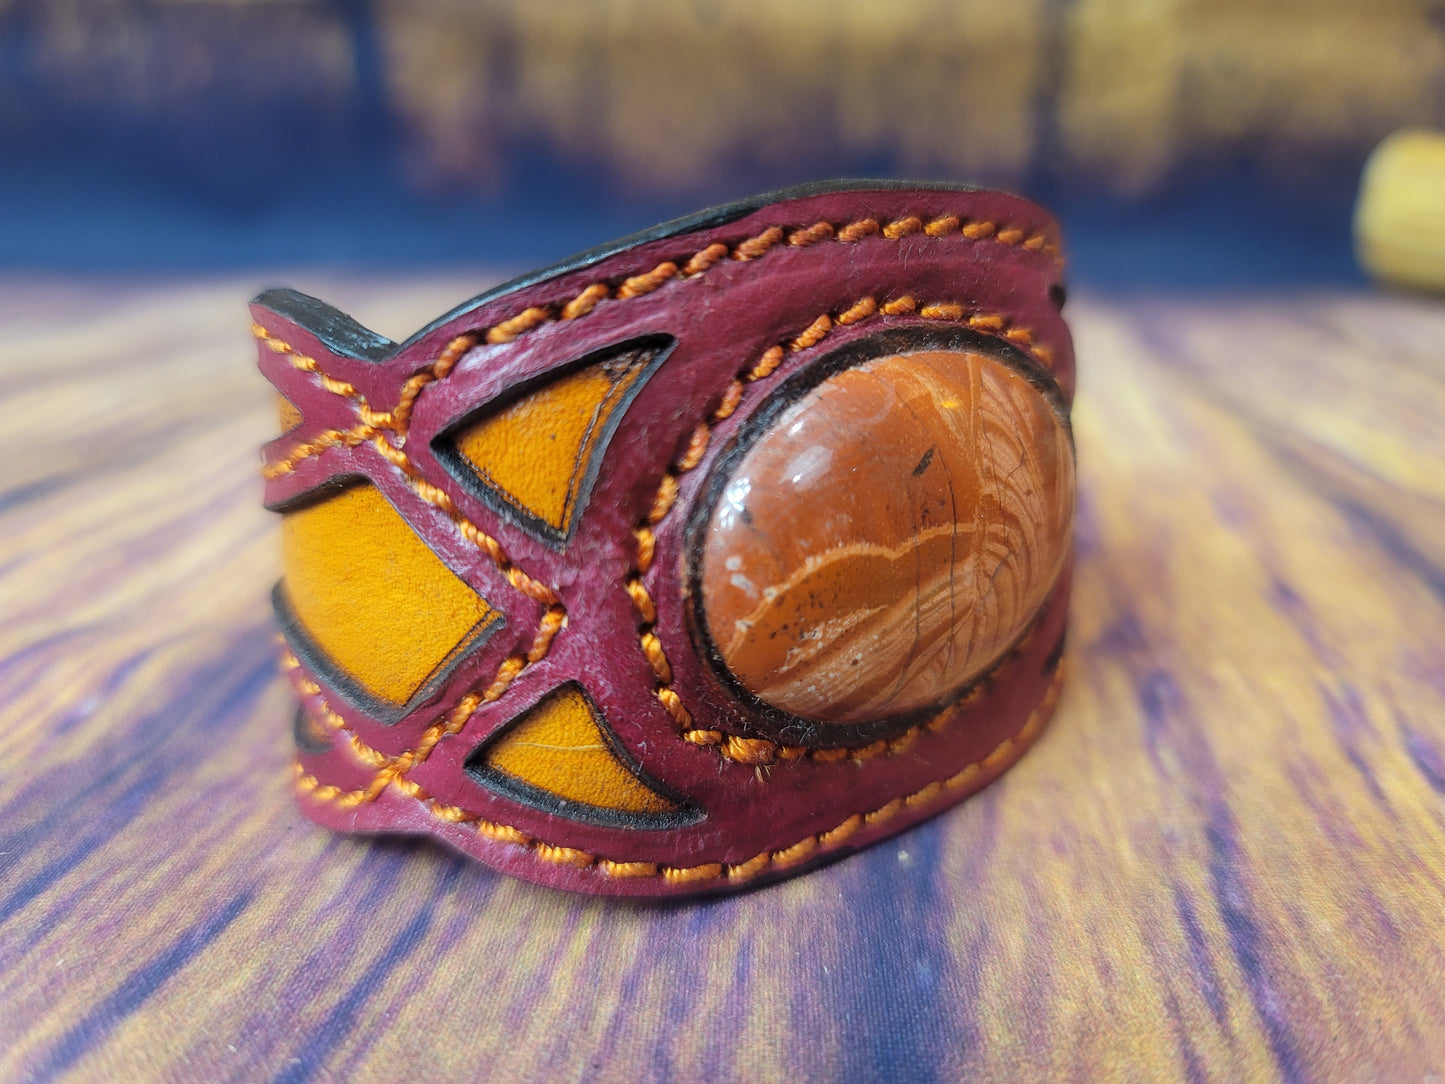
x=374, y=598
x=534, y=452
x=558, y=746
x=288, y=413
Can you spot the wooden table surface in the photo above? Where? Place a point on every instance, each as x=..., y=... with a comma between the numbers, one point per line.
x=1225, y=859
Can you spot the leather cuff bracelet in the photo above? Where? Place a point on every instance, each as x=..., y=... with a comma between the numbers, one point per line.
x=694, y=560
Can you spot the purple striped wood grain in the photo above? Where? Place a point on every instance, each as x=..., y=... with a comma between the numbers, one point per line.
x=1224, y=859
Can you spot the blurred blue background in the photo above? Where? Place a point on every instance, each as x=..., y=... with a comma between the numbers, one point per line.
x=1181, y=142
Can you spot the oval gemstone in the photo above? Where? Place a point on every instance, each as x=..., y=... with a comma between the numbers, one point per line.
x=889, y=537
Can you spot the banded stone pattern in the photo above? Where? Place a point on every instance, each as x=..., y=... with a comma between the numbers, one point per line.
x=889, y=537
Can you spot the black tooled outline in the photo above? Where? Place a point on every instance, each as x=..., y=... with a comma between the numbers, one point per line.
x=344, y=337
x=444, y=450
x=509, y=786
x=323, y=666
x=304, y=731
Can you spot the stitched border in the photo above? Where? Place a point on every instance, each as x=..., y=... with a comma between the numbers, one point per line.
x=529, y=319
x=759, y=751
x=752, y=751
x=390, y=769
x=373, y=427
x=373, y=422
x=1003, y=754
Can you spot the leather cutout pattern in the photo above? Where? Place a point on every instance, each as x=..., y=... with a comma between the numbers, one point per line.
x=534, y=457
x=701, y=791
x=375, y=607
x=560, y=756
x=287, y=414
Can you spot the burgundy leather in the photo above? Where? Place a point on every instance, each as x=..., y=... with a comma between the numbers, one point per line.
x=723, y=320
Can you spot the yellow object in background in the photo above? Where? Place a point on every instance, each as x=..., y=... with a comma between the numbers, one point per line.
x=1400, y=216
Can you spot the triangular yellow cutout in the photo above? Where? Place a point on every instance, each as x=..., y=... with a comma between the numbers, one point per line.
x=288, y=413
x=356, y=575
x=559, y=752
x=536, y=455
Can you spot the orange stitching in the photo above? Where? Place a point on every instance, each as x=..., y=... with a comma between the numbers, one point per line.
x=397, y=419
x=309, y=364
x=860, y=311
x=374, y=424
x=552, y=622
x=942, y=227
x=856, y=231
x=392, y=770
x=358, y=434
x=813, y=334
x=942, y=311
x=514, y=327
x=555, y=617
x=696, y=447
x=811, y=235
x=761, y=751
x=757, y=246
x=585, y=302
x=754, y=751
x=758, y=751
x=663, y=501
x=518, y=325
x=701, y=261
x=645, y=284
x=1007, y=750
x=438, y=498
x=743, y=750
x=438, y=370
x=902, y=227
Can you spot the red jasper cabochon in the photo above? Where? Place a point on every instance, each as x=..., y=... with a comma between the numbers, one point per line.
x=888, y=535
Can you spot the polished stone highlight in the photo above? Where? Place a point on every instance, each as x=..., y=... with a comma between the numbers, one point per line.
x=889, y=537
